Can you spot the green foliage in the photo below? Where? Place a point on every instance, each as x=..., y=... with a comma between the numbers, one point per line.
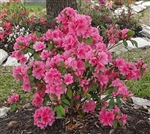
x=141, y=87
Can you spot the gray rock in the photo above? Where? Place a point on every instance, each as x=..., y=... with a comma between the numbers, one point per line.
x=147, y=3
x=137, y=8
x=3, y=56
x=139, y=2
x=141, y=101
x=145, y=30
x=11, y=62
x=141, y=43
x=3, y=112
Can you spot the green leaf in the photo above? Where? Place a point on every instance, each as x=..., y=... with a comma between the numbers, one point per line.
x=36, y=56
x=93, y=88
x=31, y=78
x=115, y=124
x=118, y=101
x=50, y=46
x=30, y=50
x=69, y=93
x=13, y=107
x=87, y=64
x=64, y=85
x=38, y=34
x=125, y=43
x=62, y=64
x=80, y=39
x=134, y=43
x=106, y=98
x=20, y=81
x=130, y=33
x=88, y=95
x=111, y=103
x=60, y=111
x=66, y=102
x=23, y=98
x=29, y=71
x=46, y=99
x=121, y=123
x=88, y=40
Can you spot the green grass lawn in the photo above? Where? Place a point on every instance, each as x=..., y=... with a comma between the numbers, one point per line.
x=35, y=8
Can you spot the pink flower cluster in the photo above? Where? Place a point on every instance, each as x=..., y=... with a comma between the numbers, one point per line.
x=71, y=63
x=44, y=116
x=115, y=35
x=107, y=118
x=7, y=30
x=14, y=98
x=89, y=106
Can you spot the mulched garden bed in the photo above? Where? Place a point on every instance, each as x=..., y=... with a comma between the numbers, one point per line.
x=137, y=123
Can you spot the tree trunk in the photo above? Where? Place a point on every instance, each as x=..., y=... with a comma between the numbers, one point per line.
x=54, y=7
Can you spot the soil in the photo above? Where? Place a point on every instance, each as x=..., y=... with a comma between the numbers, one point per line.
x=137, y=123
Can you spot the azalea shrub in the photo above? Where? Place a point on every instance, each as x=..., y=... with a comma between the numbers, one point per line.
x=103, y=13
x=17, y=20
x=70, y=69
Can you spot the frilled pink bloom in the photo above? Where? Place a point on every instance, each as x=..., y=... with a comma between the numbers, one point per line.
x=84, y=83
x=20, y=73
x=38, y=46
x=37, y=100
x=119, y=116
x=53, y=76
x=43, y=117
x=70, y=42
x=45, y=54
x=41, y=90
x=123, y=118
x=124, y=33
x=48, y=34
x=56, y=89
x=68, y=79
x=19, y=56
x=102, y=1
x=54, y=61
x=26, y=86
x=102, y=58
x=106, y=118
x=109, y=4
x=14, y=98
x=38, y=70
x=89, y=106
x=43, y=21
x=103, y=79
x=84, y=52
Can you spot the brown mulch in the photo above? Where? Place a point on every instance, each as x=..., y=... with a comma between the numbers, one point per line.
x=137, y=123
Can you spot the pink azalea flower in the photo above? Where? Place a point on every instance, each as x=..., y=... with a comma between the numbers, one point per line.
x=102, y=58
x=45, y=54
x=38, y=46
x=68, y=79
x=106, y=117
x=103, y=79
x=37, y=100
x=38, y=70
x=109, y=4
x=43, y=21
x=102, y=1
x=89, y=106
x=43, y=117
x=14, y=98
